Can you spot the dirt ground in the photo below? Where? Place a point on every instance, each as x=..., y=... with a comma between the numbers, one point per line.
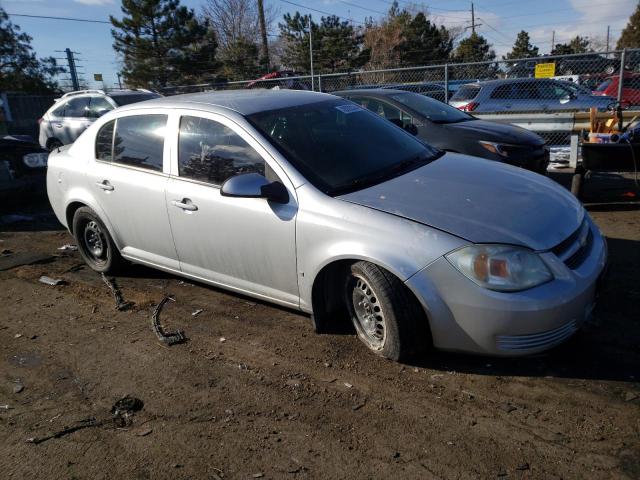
x=254, y=393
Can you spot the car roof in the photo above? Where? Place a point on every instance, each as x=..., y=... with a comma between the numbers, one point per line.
x=245, y=102
x=504, y=81
x=382, y=92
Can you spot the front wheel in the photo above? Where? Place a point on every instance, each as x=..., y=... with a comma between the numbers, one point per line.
x=94, y=242
x=386, y=316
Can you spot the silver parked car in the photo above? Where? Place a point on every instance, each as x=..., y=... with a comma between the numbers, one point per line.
x=75, y=111
x=525, y=95
x=310, y=201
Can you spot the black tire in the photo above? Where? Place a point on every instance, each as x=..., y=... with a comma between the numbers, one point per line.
x=387, y=301
x=95, y=243
x=576, y=184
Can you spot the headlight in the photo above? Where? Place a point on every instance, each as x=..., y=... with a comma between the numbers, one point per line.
x=504, y=149
x=500, y=267
x=35, y=160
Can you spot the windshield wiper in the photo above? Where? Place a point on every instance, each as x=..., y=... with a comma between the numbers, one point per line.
x=380, y=176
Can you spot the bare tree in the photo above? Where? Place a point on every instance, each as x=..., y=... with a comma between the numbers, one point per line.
x=235, y=20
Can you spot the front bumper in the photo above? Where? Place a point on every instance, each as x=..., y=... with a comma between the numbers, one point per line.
x=467, y=318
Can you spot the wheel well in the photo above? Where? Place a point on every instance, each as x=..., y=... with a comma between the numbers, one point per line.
x=51, y=140
x=328, y=301
x=71, y=211
x=327, y=293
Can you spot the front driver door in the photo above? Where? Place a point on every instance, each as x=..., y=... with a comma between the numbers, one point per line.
x=247, y=244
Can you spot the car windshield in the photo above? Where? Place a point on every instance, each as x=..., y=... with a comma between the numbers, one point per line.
x=127, y=98
x=434, y=110
x=340, y=147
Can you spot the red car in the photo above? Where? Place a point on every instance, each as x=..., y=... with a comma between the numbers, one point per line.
x=630, y=88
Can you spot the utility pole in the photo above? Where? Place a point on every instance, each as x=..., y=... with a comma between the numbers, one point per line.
x=311, y=54
x=119, y=82
x=473, y=20
x=72, y=69
x=553, y=40
x=608, y=30
x=263, y=34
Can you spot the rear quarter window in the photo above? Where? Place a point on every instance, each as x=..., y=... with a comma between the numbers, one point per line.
x=467, y=92
x=104, y=142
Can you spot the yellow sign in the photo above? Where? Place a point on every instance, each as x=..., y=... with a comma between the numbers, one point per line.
x=97, y=77
x=545, y=70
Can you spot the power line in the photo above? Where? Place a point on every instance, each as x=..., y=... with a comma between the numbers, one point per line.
x=318, y=11
x=58, y=18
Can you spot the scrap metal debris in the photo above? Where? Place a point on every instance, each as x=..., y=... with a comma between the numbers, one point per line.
x=124, y=409
x=122, y=412
x=166, y=338
x=86, y=423
x=117, y=295
x=197, y=312
x=68, y=248
x=51, y=281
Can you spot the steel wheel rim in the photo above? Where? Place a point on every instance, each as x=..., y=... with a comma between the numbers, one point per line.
x=95, y=241
x=369, y=317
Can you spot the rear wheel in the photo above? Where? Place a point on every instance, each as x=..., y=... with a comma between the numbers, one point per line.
x=94, y=242
x=385, y=314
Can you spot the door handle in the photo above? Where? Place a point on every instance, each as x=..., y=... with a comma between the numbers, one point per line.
x=57, y=125
x=105, y=185
x=185, y=204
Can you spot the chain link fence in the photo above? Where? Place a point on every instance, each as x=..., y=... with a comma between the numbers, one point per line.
x=519, y=91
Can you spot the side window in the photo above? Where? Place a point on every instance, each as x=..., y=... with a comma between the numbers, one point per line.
x=77, y=107
x=502, y=92
x=211, y=152
x=526, y=91
x=139, y=141
x=98, y=107
x=552, y=91
x=104, y=142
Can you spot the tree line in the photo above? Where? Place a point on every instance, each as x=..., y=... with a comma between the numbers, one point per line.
x=162, y=43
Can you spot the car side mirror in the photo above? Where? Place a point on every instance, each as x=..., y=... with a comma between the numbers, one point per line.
x=254, y=185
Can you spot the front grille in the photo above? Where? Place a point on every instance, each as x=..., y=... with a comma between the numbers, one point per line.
x=537, y=340
x=576, y=248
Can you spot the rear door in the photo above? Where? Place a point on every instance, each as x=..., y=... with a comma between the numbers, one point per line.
x=247, y=244
x=129, y=177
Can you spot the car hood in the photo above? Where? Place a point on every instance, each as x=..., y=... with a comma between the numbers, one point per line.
x=497, y=132
x=480, y=201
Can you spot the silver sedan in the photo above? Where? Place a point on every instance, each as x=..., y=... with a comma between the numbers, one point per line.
x=309, y=201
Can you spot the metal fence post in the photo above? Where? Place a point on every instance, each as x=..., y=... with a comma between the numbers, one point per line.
x=320, y=83
x=621, y=79
x=446, y=83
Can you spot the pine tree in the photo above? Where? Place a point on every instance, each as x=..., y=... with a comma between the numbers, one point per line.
x=20, y=69
x=424, y=42
x=336, y=45
x=163, y=43
x=630, y=37
x=475, y=48
x=522, y=48
x=577, y=44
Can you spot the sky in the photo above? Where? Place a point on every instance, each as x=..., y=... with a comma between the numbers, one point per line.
x=500, y=21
